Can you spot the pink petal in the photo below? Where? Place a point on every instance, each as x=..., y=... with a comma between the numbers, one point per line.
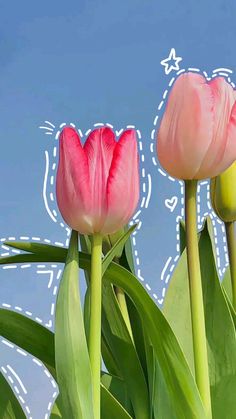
x=72, y=183
x=229, y=155
x=99, y=148
x=123, y=183
x=223, y=100
x=187, y=126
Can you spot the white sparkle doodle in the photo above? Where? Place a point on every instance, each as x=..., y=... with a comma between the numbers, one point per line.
x=171, y=62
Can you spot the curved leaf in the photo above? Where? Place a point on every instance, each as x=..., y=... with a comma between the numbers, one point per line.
x=110, y=407
x=220, y=328
x=10, y=408
x=28, y=335
x=71, y=352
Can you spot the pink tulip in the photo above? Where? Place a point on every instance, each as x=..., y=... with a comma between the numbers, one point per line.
x=97, y=184
x=197, y=135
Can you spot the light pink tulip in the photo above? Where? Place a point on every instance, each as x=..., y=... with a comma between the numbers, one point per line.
x=97, y=184
x=197, y=135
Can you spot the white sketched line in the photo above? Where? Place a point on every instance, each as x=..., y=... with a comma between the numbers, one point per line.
x=45, y=188
x=50, y=276
x=16, y=389
x=38, y=271
x=17, y=378
x=165, y=267
x=41, y=365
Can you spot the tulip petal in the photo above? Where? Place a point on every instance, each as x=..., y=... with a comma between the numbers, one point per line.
x=230, y=150
x=187, y=126
x=99, y=148
x=123, y=183
x=223, y=100
x=72, y=183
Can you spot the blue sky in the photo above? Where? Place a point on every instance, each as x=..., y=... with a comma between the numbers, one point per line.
x=86, y=62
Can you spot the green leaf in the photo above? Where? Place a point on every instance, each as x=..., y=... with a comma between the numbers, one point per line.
x=182, y=235
x=108, y=358
x=176, y=374
x=57, y=408
x=38, y=248
x=85, y=245
x=123, y=350
x=111, y=408
x=87, y=313
x=118, y=388
x=127, y=259
x=220, y=329
x=10, y=408
x=226, y=283
x=231, y=308
x=28, y=335
x=118, y=246
x=176, y=308
x=71, y=352
x=55, y=413
x=221, y=336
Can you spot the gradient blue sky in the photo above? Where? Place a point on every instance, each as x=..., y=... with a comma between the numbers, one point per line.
x=88, y=62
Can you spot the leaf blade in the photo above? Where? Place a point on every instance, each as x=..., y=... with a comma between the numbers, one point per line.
x=71, y=352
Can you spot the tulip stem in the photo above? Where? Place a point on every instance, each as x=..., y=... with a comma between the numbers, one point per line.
x=196, y=297
x=95, y=319
x=231, y=242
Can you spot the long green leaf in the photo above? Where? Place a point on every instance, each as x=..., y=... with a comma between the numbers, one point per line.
x=111, y=408
x=220, y=329
x=10, y=408
x=123, y=350
x=176, y=308
x=127, y=261
x=71, y=352
x=118, y=388
x=221, y=336
x=178, y=379
x=28, y=335
x=226, y=282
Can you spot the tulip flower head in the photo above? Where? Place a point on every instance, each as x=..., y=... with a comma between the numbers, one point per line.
x=97, y=183
x=197, y=135
x=223, y=194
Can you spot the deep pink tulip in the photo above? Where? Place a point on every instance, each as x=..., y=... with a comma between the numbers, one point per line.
x=197, y=135
x=97, y=184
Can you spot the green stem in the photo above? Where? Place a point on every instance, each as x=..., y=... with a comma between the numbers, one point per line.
x=196, y=297
x=229, y=227
x=95, y=319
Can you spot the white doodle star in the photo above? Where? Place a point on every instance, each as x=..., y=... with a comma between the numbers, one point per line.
x=168, y=62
